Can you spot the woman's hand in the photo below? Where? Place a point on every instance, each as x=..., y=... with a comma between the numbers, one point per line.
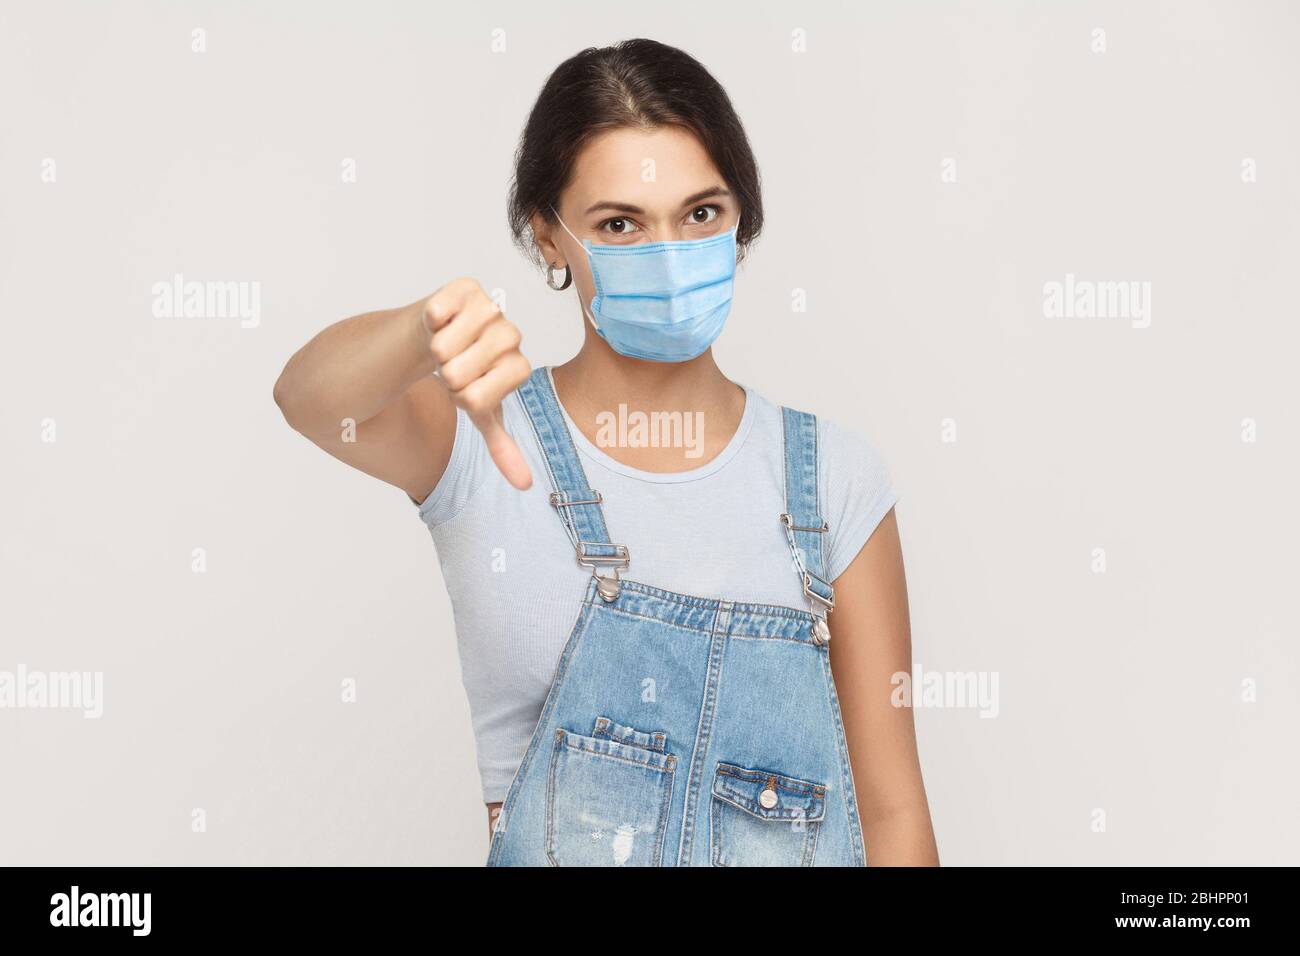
x=478, y=360
x=379, y=391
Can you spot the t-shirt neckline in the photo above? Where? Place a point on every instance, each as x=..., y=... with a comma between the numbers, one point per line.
x=587, y=449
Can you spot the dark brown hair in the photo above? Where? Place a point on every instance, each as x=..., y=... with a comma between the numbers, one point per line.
x=636, y=83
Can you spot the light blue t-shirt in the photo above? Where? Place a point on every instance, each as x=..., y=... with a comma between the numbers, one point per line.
x=714, y=531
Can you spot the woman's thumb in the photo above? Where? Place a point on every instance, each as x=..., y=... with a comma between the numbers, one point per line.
x=505, y=453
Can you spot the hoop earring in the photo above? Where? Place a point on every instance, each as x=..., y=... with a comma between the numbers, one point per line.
x=550, y=277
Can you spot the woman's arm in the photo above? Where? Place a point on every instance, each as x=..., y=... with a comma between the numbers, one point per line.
x=375, y=371
x=870, y=642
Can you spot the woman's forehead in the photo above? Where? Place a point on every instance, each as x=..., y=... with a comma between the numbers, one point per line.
x=651, y=168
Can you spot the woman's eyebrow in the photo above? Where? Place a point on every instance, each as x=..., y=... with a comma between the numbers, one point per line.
x=713, y=193
x=716, y=191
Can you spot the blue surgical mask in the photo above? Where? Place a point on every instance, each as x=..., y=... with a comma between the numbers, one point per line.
x=661, y=301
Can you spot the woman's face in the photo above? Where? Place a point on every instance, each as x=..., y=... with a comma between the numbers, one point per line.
x=632, y=186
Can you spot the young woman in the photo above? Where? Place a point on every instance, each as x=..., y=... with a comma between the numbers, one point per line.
x=678, y=646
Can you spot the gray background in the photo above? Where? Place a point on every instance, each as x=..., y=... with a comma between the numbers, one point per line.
x=1118, y=691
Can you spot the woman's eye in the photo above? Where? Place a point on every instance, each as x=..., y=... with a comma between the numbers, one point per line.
x=617, y=227
x=710, y=213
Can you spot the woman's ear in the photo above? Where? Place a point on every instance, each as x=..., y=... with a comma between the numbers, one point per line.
x=542, y=232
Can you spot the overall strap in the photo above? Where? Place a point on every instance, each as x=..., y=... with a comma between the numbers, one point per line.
x=577, y=503
x=805, y=527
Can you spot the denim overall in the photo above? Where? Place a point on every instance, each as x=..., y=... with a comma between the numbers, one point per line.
x=683, y=730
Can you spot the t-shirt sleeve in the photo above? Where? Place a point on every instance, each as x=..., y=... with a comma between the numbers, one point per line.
x=465, y=471
x=857, y=490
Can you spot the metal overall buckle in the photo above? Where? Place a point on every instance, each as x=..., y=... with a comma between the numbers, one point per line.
x=608, y=586
x=821, y=632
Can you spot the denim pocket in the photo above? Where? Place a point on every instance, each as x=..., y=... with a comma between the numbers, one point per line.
x=607, y=800
x=760, y=818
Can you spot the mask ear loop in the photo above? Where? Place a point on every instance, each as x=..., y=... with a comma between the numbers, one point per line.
x=581, y=304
